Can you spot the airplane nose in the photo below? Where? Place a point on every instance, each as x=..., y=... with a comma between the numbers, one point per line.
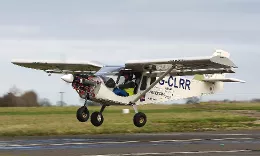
x=68, y=78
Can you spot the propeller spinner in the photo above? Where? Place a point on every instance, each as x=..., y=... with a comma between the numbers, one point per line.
x=68, y=78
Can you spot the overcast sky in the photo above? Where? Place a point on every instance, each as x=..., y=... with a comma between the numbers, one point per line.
x=115, y=31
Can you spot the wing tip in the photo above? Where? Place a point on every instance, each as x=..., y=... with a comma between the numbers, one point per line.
x=18, y=61
x=223, y=61
x=14, y=61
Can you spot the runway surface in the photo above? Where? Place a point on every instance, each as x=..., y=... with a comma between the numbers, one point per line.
x=232, y=143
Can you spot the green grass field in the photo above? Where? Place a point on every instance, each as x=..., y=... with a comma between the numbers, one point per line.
x=161, y=118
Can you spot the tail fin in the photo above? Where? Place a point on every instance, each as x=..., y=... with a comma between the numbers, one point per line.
x=221, y=53
x=216, y=81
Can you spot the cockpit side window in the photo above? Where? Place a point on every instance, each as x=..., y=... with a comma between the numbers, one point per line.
x=129, y=80
x=152, y=80
x=109, y=82
x=144, y=83
x=120, y=79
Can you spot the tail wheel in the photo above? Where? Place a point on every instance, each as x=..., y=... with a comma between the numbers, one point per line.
x=97, y=119
x=83, y=114
x=139, y=119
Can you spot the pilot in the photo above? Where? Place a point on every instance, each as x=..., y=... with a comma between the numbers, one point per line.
x=127, y=88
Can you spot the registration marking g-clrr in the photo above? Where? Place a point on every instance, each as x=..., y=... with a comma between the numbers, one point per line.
x=172, y=82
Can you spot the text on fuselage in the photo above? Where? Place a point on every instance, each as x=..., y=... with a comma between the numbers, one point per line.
x=176, y=83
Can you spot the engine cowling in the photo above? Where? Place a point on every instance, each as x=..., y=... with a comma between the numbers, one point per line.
x=84, y=85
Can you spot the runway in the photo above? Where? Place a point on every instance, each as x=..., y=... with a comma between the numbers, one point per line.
x=232, y=143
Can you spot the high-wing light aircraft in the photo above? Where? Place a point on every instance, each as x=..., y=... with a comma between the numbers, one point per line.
x=139, y=81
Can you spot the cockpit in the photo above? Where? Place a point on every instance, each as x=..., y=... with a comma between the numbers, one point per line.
x=124, y=82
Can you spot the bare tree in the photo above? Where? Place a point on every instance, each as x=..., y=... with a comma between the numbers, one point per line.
x=15, y=91
x=14, y=99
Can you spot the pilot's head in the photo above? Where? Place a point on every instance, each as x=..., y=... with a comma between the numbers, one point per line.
x=128, y=76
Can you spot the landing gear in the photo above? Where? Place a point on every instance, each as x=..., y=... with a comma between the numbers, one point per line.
x=139, y=118
x=83, y=114
x=97, y=118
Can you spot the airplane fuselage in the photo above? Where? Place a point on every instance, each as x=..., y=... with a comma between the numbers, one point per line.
x=168, y=89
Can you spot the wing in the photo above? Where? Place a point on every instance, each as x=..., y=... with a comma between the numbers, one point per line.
x=59, y=66
x=192, y=65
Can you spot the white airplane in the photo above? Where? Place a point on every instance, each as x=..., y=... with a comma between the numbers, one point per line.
x=148, y=81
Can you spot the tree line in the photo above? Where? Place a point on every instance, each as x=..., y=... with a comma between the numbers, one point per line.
x=15, y=98
x=27, y=99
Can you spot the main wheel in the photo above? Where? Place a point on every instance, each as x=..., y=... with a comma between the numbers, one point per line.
x=139, y=119
x=97, y=119
x=83, y=114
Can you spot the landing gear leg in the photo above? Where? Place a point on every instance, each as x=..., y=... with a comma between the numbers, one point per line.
x=86, y=103
x=83, y=113
x=135, y=108
x=139, y=117
x=97, y=118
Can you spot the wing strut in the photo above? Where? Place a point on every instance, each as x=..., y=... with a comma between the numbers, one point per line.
x=152, y=85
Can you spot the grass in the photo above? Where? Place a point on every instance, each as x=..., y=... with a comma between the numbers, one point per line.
x=161, y=118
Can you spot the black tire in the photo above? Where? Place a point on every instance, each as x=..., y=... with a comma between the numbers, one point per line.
x=83, y=114
x=140, y=119
x=97, y=119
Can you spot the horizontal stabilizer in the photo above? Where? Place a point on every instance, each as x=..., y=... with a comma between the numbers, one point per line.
x=224, y=80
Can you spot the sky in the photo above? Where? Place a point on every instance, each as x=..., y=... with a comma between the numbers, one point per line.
x=115, y=31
